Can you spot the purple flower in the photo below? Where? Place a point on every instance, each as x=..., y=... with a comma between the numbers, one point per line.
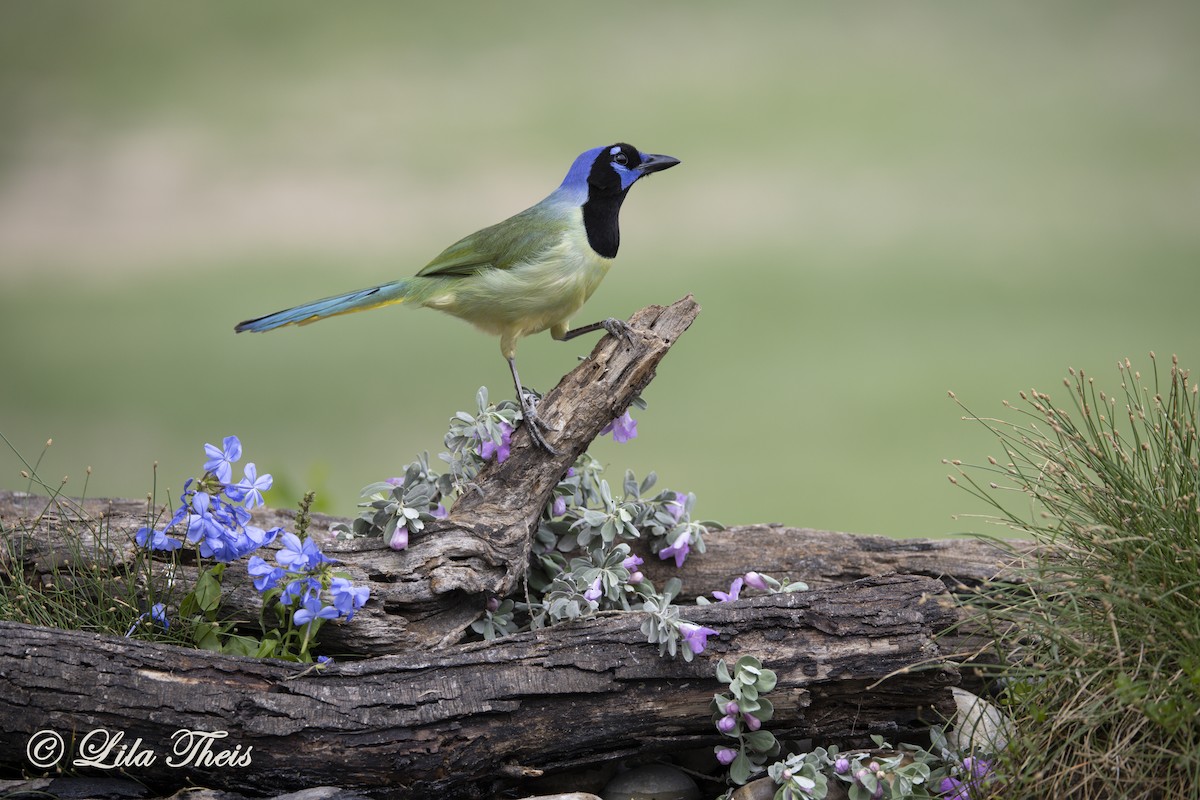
x=493, y=604
x=594, y=591
x=726, y=724
x=954, y=789
x=756, y=581
x=696, y=636
x=399, y=540
x=220, y=459
x=635, y=578
x=975, y=771
x=250, y=488
x=679, y=549
x=559, y=507
x=623, y=428
x=753, y=723
x=732, y=707
x=735, y=588
x=487, y=448
x=311, y=609
x=632, y=563
x=842, y=765
x=726, y=755
x=976, y=767
x=348, y=598
x=265, y=576
x=677, y=506
x=439, y=512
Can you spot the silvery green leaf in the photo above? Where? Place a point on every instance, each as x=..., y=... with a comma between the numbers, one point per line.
x=674, y=585
x=766, y=681
x=760, y=740
x=722, y=672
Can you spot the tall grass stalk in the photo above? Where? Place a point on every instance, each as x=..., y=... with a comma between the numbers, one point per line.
x=1100, y=642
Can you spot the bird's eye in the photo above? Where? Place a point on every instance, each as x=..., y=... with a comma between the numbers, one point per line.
x=621, y=159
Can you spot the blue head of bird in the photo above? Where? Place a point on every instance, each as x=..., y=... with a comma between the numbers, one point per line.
x=598, y=182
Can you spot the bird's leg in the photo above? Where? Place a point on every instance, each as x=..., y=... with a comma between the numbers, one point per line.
x=615, y=327
x=529, y=411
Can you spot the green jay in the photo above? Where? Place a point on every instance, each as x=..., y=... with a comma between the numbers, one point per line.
x=522, y=276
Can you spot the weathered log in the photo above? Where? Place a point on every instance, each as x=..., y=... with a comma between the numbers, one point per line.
x=820, y=558
x=459, y=721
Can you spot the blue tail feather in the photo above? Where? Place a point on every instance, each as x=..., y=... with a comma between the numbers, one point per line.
x=360, y=300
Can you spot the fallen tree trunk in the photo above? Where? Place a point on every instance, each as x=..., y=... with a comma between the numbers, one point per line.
x=820, y=558
x=462, y=721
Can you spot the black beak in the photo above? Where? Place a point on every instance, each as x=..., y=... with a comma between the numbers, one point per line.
x=652, y=163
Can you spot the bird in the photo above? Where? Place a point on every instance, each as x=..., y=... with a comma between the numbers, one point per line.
x=529, y=273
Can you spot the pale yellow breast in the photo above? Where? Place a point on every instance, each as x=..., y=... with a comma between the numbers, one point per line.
x=531, y=297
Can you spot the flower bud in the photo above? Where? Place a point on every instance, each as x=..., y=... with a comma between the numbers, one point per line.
x=726, y=724
x=754, y=580
x=726, y=755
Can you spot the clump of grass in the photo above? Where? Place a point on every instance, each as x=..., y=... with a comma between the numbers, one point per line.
x=1100, y=641
x=82, y=577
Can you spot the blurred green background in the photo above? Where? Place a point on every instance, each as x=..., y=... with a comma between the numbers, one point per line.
x=878, y=202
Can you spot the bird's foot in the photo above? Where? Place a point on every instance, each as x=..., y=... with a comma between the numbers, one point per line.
x=618, y=328
x=534, y=423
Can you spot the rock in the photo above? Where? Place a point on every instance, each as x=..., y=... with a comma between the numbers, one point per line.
x=652, y=782
x=978, y=724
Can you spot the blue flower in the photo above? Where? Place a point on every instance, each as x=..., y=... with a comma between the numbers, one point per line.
x=265, y=576
x=696, y=636
x=220, y=459
x=157, y=540
x=299, y=556
x=249, y=490
x=679, y=549
x=311, y=609
x=157, y=613
x=299, y=587
x=348, y=598
x=623, y=428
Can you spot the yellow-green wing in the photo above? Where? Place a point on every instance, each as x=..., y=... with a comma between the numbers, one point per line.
x=518, y=239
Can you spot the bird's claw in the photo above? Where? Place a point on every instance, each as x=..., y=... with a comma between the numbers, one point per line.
x=536, y=424
x=618, y=328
